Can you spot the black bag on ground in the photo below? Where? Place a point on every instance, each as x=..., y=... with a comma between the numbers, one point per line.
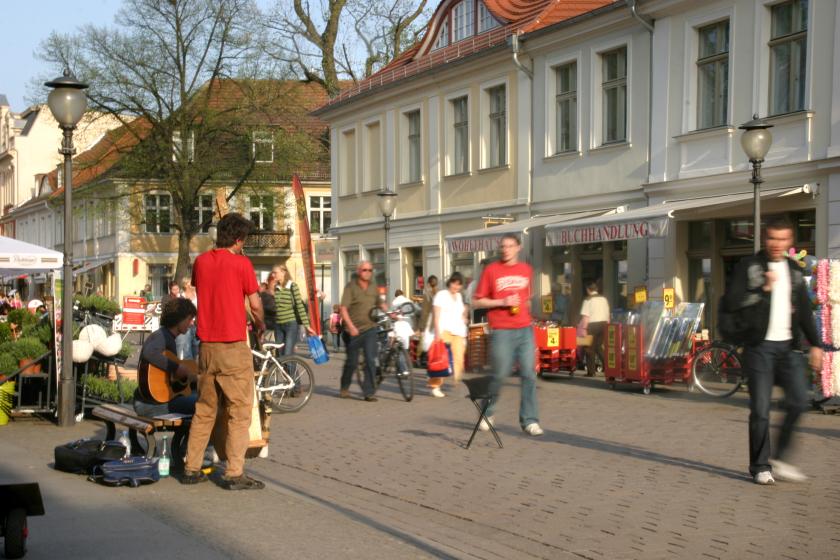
x=81, y=456
x=129, y=472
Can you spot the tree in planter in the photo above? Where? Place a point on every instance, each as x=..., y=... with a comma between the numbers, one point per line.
x=19, y=319
x=5, y=332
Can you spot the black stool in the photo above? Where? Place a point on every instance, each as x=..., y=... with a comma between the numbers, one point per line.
x=479, y=388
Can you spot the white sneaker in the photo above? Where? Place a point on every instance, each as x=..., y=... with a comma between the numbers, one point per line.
x=484, y=426
x=436, y=392
x=764, y=478
x=787, y=472
x=533, y=429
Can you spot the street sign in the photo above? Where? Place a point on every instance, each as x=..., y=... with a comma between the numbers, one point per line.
x=668, y=298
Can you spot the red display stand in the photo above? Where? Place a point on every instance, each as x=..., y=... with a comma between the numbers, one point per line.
x=626, y=362
x=556, y=349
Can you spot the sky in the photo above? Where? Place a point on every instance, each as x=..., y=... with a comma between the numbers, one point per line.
x=28, y=22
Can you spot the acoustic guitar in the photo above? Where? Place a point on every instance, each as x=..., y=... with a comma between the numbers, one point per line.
x=155, y=384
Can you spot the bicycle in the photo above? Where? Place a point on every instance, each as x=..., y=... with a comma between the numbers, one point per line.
x=285, y=382
x=717, y=371
x=391, y=352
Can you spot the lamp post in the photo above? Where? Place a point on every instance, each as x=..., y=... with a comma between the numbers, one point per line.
x=756, y=141
x=387, y=202
x=67, y=102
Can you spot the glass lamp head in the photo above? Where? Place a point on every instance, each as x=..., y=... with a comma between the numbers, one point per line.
x=756, y=139
x=67, y=100
x=387, y=202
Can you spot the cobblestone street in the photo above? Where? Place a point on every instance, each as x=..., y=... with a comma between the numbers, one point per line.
x=617, y=475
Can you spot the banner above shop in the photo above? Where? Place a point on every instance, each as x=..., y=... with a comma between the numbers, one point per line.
x=600, y=233
x=474, y=244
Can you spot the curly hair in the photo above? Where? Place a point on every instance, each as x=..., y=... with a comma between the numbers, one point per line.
x=176, y=310
x=231, y=228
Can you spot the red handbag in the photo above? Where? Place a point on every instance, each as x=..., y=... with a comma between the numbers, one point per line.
x=438, y=356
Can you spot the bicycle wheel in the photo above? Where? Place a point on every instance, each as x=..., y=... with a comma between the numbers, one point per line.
x=405, y=379
x=292, y=399
x=717, y=370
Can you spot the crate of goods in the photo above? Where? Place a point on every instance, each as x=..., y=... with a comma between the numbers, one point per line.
x=477, y=347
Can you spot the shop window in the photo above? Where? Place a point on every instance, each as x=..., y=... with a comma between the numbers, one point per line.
x=788, y=49
x=700, y=236
x=561, y=288
x=700, y=287
x=713, y=75
x=738, y=232
x=618, y=299
x=805, y=228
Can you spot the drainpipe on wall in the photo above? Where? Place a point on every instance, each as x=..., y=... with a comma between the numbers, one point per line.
x=647, y=23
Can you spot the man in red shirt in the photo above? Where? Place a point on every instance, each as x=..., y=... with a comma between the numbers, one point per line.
x=505, y=289
x=225, y=283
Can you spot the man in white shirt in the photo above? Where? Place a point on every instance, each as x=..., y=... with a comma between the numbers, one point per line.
x=768, y=293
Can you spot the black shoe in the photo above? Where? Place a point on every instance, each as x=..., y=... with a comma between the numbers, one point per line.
x=371, y=398
x=193, y=477
x=242, y=482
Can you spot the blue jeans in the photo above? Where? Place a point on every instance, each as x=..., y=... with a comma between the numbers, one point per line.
x=767, y=364
x=506, y=347
x=178, y=405
x=366, y=342
x=287, y=333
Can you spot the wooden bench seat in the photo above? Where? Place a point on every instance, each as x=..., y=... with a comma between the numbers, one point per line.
x=115, y=415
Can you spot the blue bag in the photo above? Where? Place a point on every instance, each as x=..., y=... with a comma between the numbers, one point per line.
x=318, y=350
x=128, y=472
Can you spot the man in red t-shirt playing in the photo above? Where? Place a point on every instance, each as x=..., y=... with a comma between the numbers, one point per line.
x=225, y=281
x=505, y=289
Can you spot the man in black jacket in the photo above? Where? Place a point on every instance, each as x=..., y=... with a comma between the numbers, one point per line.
x=768, y=293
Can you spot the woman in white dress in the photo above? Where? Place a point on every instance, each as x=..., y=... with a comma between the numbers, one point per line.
x=450, y=325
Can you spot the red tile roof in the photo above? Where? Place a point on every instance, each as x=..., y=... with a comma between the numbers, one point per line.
x=518, y=16
x=289, y=105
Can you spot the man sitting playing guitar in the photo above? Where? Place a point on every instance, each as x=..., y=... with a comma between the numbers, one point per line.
x=164, y=382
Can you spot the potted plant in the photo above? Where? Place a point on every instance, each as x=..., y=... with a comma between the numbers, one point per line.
x=5, y=332
x=26, y=350
x=103, y=389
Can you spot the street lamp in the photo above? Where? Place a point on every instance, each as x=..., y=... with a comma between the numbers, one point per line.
x=67, y=102
x=755, y=142
x=387, y=202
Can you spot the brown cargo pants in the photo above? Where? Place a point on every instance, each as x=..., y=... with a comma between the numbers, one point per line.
x=225, y=378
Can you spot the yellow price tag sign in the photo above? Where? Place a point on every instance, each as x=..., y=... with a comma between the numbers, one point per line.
x=553, y=337
x=640, y=295
x=668, y=297
x=547, y=304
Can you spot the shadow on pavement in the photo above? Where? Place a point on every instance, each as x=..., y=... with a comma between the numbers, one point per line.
x=605, y=446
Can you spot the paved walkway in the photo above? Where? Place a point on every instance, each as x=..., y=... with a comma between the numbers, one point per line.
x=617, y=475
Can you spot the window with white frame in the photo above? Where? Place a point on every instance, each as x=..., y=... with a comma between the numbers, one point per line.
x=443, y=36
x=460, y=154
x=566, y=139
x=713, y=75
x=204, y=211
x=262, y=146
x=158, y=213
x=320, y=214
x=373, y=157
x=347, y=162
x=788, y=50
x=351, y=263
x=486, y=20
x=261, y=211
x=183, y=151
x=614, y=100
x=463, y=19
x=496, y=154
x=413, y=151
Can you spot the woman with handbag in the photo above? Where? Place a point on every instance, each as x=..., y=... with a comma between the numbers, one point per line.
x=290, y=312
x=450, y=326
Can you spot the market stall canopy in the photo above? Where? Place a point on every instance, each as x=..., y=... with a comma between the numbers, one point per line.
x=642, y=223
x=487, y=239
x=19, y=257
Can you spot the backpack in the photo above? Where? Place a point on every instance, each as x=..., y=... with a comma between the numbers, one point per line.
x=83, y=455
x=129, y=472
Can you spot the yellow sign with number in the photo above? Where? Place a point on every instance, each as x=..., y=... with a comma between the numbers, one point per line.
x=553, y=337
x=547, y=304
x=640, y=295
x=668, y=297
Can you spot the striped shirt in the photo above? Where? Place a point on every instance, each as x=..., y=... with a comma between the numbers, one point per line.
x=283, y=297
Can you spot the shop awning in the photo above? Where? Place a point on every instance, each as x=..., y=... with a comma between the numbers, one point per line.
x=88, y=265
x=487, y=239
x=642, y=223
x=18, y=257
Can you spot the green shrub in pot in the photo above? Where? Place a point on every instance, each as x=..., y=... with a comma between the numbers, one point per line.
x=28, y=348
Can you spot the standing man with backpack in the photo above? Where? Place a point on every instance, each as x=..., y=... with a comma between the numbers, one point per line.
x=767, y=309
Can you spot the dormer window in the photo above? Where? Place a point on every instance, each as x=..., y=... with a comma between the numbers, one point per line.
x=464, y=20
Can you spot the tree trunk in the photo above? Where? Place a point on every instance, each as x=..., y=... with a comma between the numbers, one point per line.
x=183, y=268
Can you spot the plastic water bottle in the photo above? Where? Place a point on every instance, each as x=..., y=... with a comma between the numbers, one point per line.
x=163, y=461
x=127, y=443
